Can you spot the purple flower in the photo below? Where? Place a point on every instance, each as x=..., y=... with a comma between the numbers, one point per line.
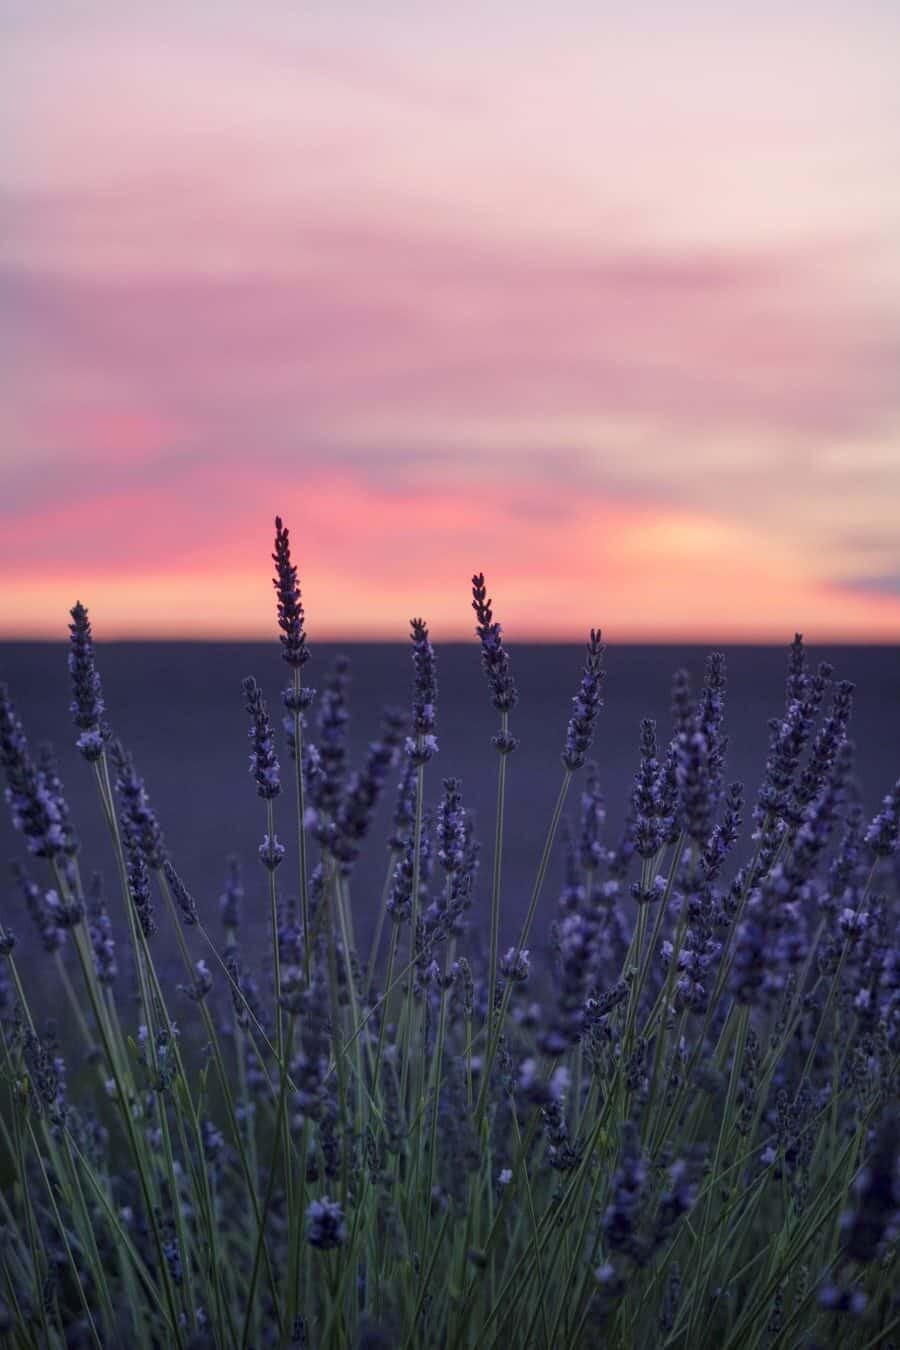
x=263, y=761
x=593, y=818
x=585, y=706
x=567, y=1016
x=711, y=714
x=423, y=744
x=138, y=819
x=270, y=852
x=50, y=785
x=830, y=737
x=35, y=806
x=725, y=834
x=139, y=885
x=325, y=1226
x=882, y=834
x=232, y=897
x=180, y=894
x=290, y=609
x=451, y=828
x=405, y=808
x=790, y=735
x=694, y=790
x=87, y=705
x=515, y=965
x=876, y=1193
x=649, y=830
x=494, y=657
x=629, y=1192
x=365, y=788
x=100, y=929
x=44, y=911
x=399, y=901
x=201, y=985
x=328, y=760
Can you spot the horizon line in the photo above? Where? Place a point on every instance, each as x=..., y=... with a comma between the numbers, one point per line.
x=331, y=639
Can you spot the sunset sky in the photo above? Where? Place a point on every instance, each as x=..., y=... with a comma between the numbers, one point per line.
x=603, y=300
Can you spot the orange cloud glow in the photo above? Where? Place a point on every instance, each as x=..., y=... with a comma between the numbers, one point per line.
x=370, y=559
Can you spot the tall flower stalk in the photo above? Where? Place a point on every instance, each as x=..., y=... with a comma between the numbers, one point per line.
x=504, y=696
x=295, y=651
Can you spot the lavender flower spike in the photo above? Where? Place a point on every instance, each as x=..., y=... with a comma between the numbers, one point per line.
x=423, y=743
x=138, y=819
x=586, y=704
x=180, y=894
x=365, y=789
x=290, y=607
x=87, y=706
x=263, y=762
x=494, y=656
x=35, y=809
x=325, y=1226
x=882, y=835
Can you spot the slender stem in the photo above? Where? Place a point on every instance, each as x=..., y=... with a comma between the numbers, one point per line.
x=498, y=1019
x=301, y=820
x=372, y=964
x=498, y=862
x=413, y=920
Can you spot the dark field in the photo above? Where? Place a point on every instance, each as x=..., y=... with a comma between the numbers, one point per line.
x=179, y=708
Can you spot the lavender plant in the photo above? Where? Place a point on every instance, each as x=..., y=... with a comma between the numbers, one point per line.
x=680, y=1131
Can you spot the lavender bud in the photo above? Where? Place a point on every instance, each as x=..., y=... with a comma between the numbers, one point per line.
x=270, y=852
x=138, y=819
x=35, y=809
x=329, y=759
x=620, y=1222
x=232, y=897
x=364, y=791
x=515, y=965
x=172, y=1253
x=87, y=705
x=139, y=886
x=692, y=775
x=44, y=913
x=586, y=705
x=451, y=833
x=593, y=818
x=290, y=609
x=50, y=785
x=180, y=894
x=102, y=941
x=405, y=809
x=710, y=716
x=649, y=829
x=725, y=834
x=567, y=1017
x=201, y=985
x=423, y=744
x=263, y=761
x=325, y=1226
x=882, y=834
x=399, y=902
x=494, y=657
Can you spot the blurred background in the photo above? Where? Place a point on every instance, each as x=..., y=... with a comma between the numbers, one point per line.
x=602, y=300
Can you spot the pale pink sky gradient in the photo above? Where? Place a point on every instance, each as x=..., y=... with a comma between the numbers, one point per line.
x=606, y=305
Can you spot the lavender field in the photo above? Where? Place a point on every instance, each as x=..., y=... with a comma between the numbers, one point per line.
x=179, y=708
x=618, y=1069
